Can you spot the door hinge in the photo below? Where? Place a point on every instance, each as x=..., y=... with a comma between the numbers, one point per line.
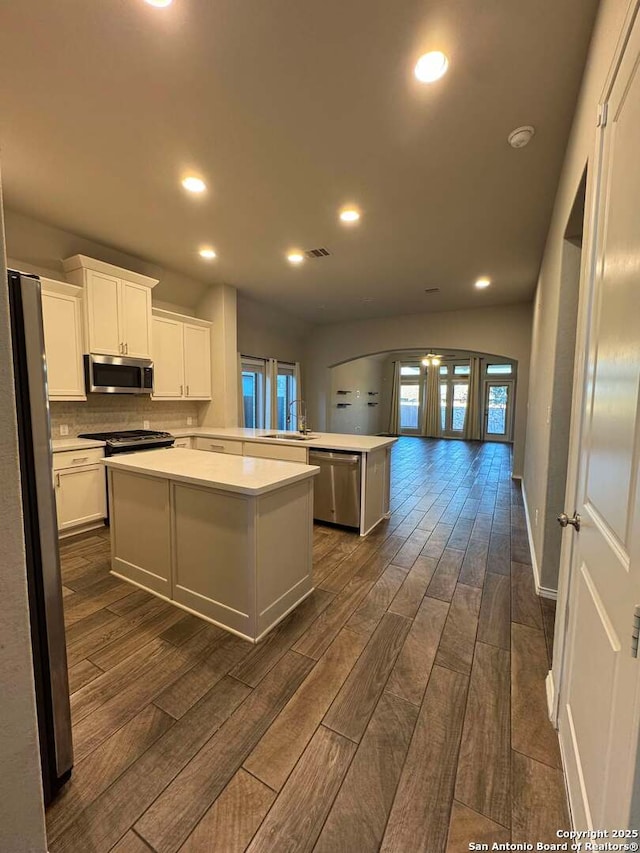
x=603, y=114
x=635, y=633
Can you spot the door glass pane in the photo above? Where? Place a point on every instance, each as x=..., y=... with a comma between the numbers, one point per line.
x=462, y=370
x=249, y=398
x=460, y=393
x=493, y=369
x=497, y=400
x=410, y=370
x=409, y=406
x=443, y=406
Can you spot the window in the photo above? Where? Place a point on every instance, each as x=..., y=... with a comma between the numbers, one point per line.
x=411, y=380
x=253, y=396
x=286, y=395
x=499, y=369
x=462, y=370
x=444, y=370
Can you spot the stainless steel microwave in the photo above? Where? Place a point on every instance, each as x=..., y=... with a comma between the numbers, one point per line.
x=114, y=374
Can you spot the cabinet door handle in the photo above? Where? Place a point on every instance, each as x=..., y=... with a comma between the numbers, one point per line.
x=120, y=348
x=182, y=390
x=57, y=481
x=187, y=390
x=126, y=349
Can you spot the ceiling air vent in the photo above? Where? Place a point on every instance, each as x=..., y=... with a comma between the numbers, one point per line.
x=317, y=253
x=432, y=290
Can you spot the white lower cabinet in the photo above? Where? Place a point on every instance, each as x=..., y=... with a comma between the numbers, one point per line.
x=80, y=496
x=219, y=445
x=184, y=442
x=285, y=452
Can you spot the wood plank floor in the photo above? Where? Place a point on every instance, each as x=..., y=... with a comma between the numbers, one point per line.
x=400, y=708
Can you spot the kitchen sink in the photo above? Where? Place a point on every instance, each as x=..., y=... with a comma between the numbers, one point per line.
x=291, y=436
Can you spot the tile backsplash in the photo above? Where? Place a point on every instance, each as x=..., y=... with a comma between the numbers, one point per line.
x=103, y=412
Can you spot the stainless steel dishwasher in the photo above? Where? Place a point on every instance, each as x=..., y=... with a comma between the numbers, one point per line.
x=336, y=489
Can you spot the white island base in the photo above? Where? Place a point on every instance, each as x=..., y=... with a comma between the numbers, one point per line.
x=228, y=539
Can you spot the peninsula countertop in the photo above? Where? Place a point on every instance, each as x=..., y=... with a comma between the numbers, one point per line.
x=244, y=475
x=319, y=440
x=60, y=444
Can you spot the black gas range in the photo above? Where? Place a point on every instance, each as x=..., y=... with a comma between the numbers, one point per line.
x=131, y=440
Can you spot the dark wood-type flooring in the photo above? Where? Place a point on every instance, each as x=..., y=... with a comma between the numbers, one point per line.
x=400, y=708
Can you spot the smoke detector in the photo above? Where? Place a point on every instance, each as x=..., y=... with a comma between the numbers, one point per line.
x=521, y=136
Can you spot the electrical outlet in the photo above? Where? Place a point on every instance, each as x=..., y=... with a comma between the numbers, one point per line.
x=536, y=519
x=64, y=429
x=145, y=424
x=189, y=421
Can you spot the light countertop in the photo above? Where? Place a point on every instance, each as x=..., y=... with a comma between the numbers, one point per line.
x=241, y=474
x=59, y=444
x=320, y=440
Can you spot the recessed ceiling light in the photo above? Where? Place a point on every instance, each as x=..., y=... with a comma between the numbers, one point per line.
x=193, y=184
x=350, y=215
x=431, y=67
x=207, y=253
x=159, y=3
x=482, y=283
x=295, y=257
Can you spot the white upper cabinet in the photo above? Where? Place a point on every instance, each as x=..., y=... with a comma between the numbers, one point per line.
x=103, y=313
x=181, y=351
x=117, y=307
x=168, y=366
x=197, y=362
x=62, y=322
x=136, y=319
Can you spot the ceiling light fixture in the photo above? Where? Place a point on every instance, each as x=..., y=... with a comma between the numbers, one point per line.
x=295, y=257
x=481, y=283
x=431, y=67
x=350, y=215
x=521, y=136
x=431, y=360
x=208, y=254
x=193, y=184
x=159, y=3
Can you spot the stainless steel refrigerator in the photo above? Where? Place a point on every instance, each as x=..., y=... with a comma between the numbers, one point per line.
x=40, y=532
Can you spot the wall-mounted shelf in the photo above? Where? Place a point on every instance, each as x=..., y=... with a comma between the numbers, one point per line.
x=342, y=405
x=344, y=392
x=373, y=393
x=372, y=404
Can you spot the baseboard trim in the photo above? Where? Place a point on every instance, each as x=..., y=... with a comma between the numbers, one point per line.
x=542, y=591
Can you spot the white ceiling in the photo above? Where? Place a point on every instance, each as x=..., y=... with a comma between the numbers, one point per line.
x=290, y=109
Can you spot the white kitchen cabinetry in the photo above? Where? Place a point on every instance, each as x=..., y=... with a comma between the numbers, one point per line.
x=186, y=443
x=62, y=322
x=117, y=307
x=219, y=445
x=80, y=486
x=181, y=351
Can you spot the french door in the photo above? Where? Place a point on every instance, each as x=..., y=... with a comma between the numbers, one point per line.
x=498, y=411
x=454, y=394
x=411, y=398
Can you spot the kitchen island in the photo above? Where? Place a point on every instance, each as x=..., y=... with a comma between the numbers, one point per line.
x=224, y=537
x=374, y=452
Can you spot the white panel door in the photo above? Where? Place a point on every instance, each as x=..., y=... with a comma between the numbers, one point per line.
x=63, y=346
x=103, y=313
x=168, y=358
x=197, y=362
x=81, y=495
x=136, y=319
x=600, y=685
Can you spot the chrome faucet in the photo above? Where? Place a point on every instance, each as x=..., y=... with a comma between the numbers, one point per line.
x=301, y=416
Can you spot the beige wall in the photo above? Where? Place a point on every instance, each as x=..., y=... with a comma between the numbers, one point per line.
x=36, y=247
x=21, y=810
x=544, y=407
x=218, y=305
x=266, y=332
x=503, y=330
x=360, y=377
